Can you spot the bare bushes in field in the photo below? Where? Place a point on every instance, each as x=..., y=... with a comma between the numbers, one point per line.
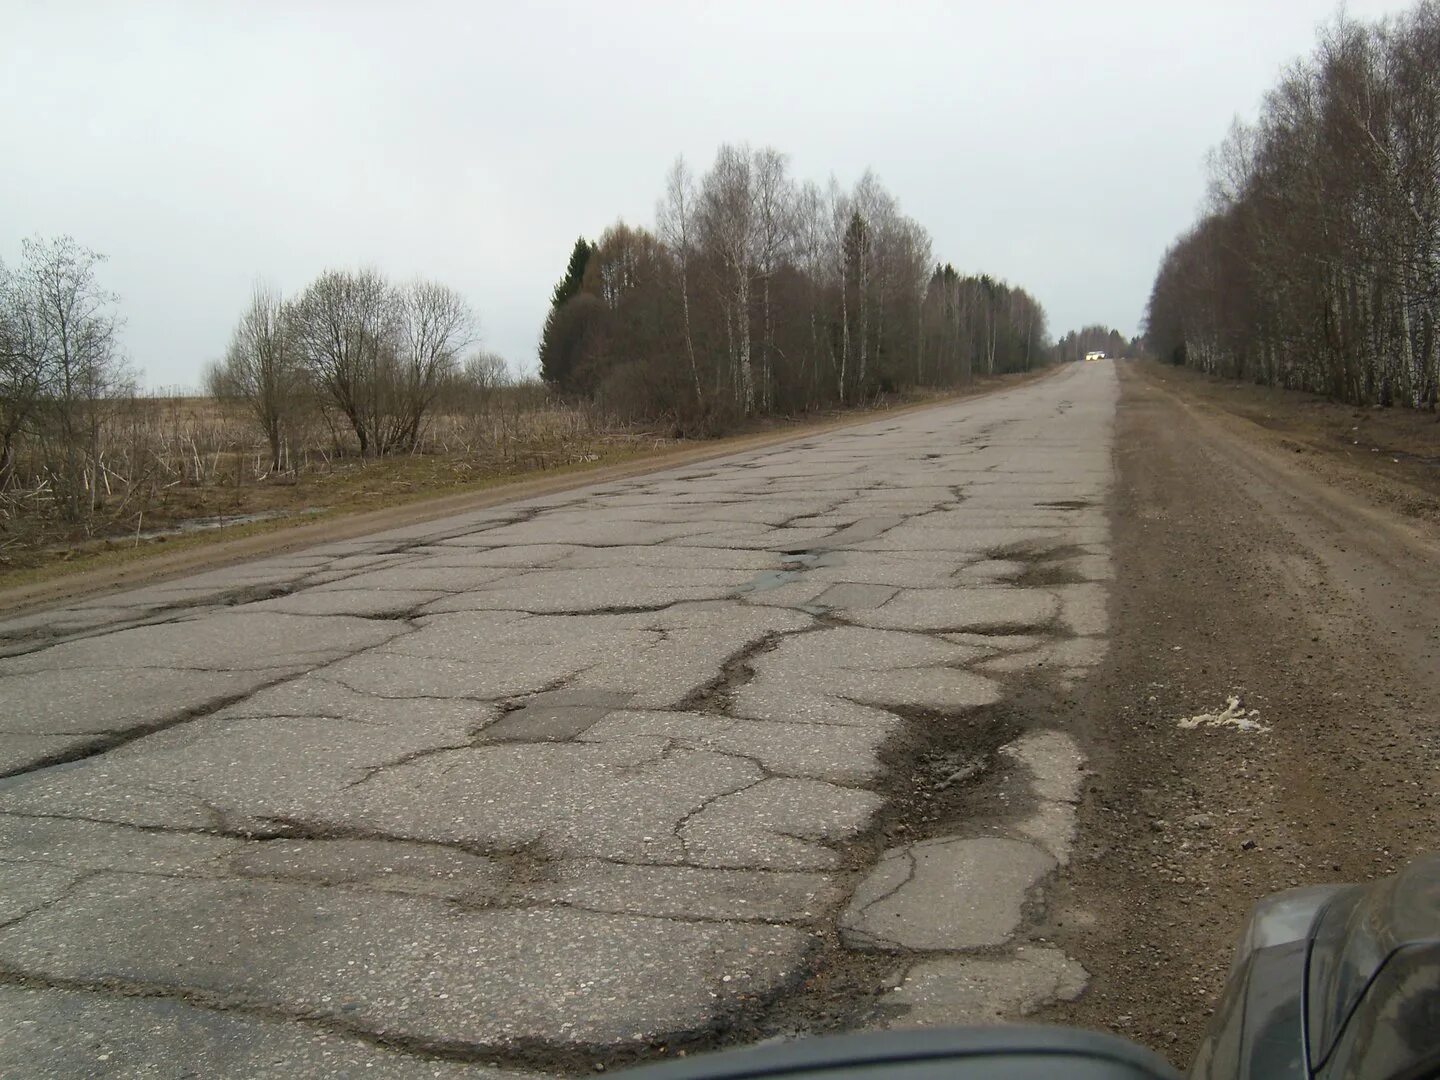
x=154, y=461
x=354, y=388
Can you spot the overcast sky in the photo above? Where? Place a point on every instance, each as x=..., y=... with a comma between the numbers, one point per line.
x=203, y=145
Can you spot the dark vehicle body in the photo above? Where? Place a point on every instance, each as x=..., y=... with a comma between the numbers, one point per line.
x=1335, y=981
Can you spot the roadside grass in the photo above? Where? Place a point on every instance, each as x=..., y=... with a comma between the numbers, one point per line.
x=352, y=487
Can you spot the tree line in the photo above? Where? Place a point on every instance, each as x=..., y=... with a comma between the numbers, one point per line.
x=1074, y=344
x=1317, y=263
x=756, y=292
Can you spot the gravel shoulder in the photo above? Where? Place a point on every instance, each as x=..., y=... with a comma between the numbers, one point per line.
x=1298, y=583
x=1386, y=457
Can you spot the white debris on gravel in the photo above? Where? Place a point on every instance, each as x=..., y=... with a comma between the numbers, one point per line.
x=1234, y=715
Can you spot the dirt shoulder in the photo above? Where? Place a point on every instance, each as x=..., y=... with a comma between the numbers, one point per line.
x=1244, y=569
x=1390, y=457
x=99, y=573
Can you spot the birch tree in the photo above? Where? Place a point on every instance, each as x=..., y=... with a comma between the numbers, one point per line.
x=774, y=233
x=1317, y=263
x=728, y=221
x=675, y=218
x=63, y=348
x=262, y=367
x=758, y=293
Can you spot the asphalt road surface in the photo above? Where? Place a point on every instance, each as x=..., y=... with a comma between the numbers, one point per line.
x=772, y=744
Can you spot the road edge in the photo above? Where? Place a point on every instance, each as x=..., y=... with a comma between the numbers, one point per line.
x=166, y=566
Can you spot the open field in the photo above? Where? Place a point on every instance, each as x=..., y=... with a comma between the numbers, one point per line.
x=172, y=466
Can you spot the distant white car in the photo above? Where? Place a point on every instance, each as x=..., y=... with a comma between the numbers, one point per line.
x=1094, y=356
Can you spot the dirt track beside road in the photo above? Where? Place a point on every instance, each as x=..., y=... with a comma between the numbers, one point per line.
x=1241, y=573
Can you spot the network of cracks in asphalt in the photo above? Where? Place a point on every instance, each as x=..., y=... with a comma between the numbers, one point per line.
x=702, y=757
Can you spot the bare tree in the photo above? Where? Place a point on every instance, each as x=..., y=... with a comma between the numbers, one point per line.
x=262, y=367
x=794, y=296
x=64, y=337
x=346, y=330
x=809, y=253
x=727, y=216
x=868, y=204
x=1317, y=262
x=379, y=354
x=435, y=326
x=841, y=215
x=675, y=220
x=486, y=371
x=774, y=233
x=22, y=373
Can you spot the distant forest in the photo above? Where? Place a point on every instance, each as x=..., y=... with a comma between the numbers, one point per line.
x=756, y=292
x=1096, y=338
x=1317, y=264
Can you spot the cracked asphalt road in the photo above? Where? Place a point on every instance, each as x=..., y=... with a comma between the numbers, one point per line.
x=572, y=780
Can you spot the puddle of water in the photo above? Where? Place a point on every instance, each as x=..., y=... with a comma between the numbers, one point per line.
x=790, y=570
x=770, y=579
x=221, y=521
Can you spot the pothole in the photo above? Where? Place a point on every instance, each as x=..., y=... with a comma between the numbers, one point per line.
x=944, y=774
x=1040, y=575
x=715, y=696
x=795, y=564
x=1043, y=566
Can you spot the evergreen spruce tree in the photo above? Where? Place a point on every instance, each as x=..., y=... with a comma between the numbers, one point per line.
x=555, y=361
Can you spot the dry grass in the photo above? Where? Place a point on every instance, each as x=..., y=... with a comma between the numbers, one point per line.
x=172, y=467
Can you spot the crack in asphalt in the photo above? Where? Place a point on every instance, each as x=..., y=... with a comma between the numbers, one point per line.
x=713, y=696
x=104, y=743
x=64, y=894
x=371, y=771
